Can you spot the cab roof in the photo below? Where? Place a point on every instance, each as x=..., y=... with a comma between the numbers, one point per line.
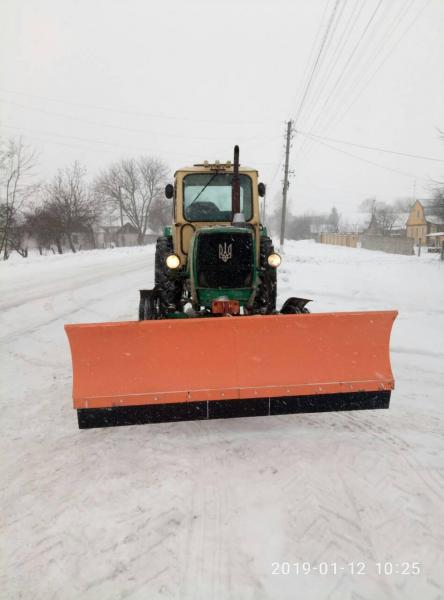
x=206, y=166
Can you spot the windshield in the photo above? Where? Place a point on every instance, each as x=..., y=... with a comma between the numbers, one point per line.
x=207, y=196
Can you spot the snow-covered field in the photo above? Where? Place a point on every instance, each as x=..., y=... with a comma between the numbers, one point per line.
x=203, y=510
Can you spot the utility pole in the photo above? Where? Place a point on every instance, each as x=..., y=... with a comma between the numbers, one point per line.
x=286, y=184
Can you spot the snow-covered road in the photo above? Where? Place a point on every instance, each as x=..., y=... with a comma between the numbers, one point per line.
x=203, y=510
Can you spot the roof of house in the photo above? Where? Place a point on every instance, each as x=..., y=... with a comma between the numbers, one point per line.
x=434, y=219
x=108, y=228
x=127, y=228
x=401, y=220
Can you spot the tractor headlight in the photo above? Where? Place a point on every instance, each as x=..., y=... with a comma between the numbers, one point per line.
x=172, y=261
x=274, y=260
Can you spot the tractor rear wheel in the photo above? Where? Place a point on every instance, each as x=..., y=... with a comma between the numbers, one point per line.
x=167, y=284
x=265, y=300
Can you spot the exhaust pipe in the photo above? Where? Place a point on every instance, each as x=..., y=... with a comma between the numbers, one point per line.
x=238, y=218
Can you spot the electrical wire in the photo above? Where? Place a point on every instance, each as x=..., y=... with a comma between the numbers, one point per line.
x=316, y=63
x=336, y=54
x=370, y=162
x=399, y=17
x=392, y=49
x=324, y=115
x=352, y=54
x=362, y=67
x=35, y=135
x=120, y=128
x=135, y=112
x=311, y=55
x=319, y=137
x=331, y=67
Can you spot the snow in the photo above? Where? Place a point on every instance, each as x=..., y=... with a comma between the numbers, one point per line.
x=203, y=509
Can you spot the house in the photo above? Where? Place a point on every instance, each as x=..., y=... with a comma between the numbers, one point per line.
x=114, y=235
x=422, y=222
x=436, y=241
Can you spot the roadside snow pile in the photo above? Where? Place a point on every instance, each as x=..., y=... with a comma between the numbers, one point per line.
x=50, y=262
x=201, y=510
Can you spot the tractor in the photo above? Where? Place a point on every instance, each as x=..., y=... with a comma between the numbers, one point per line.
x=217, y=257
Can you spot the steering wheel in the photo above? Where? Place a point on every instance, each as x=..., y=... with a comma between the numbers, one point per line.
x=207, y=210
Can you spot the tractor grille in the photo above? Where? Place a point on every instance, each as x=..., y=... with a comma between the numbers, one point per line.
x=225, y=260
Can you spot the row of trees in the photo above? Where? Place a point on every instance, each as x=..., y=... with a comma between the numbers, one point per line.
x=299, y=227
x=384, y=217
x=128, y=191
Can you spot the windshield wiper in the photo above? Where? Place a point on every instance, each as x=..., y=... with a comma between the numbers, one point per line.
x=204, y=188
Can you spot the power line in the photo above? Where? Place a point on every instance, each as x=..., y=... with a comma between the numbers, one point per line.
x=326, y=39
x=135, y=112
x=353, y=52
x=358, y=95
x=364, y=66
x=312, y=51
x=399, y=17
x=120, y=128
x=72, y=137
x=307, y=85
x=319, y=137
x=370, y=162
x=34, y=135
x=336, y=54
x=316, y=63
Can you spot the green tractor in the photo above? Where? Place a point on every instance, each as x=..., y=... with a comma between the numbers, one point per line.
x=217, y=257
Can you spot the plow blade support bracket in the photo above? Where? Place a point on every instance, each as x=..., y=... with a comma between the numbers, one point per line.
x=229, y=358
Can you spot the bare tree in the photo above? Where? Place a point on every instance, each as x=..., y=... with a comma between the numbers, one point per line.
x=383, y=216
x=108, y=188
x=334, y=220
x=133, y=188
x=160, y=214
x=17, y=162
x=70, y=206
x=403, y=205
x=387, y=216
x=437, y=204
x=46, y=228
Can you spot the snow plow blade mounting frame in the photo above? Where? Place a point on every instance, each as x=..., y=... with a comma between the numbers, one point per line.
x=171, y=370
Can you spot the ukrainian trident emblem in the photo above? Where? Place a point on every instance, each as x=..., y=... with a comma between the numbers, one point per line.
x=225, y=251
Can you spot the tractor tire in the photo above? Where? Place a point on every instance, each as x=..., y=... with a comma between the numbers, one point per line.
x=265, y=300
x=295, y=306
x=148, y=306
x=167, y=285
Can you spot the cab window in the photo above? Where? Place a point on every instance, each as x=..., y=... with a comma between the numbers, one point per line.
x=207, y=196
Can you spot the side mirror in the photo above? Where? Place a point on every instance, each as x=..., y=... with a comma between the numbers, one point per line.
x=169, y=191
x=261, y=189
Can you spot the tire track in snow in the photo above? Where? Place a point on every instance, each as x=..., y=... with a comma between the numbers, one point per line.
x=75, y=306
x=90, y=275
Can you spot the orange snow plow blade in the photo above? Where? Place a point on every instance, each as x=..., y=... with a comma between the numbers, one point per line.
x=180, y=369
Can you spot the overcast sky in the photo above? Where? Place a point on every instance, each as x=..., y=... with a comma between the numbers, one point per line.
x=97, y=80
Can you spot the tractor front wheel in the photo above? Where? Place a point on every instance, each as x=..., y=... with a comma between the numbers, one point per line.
x=295, y=306
x=149, y=305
